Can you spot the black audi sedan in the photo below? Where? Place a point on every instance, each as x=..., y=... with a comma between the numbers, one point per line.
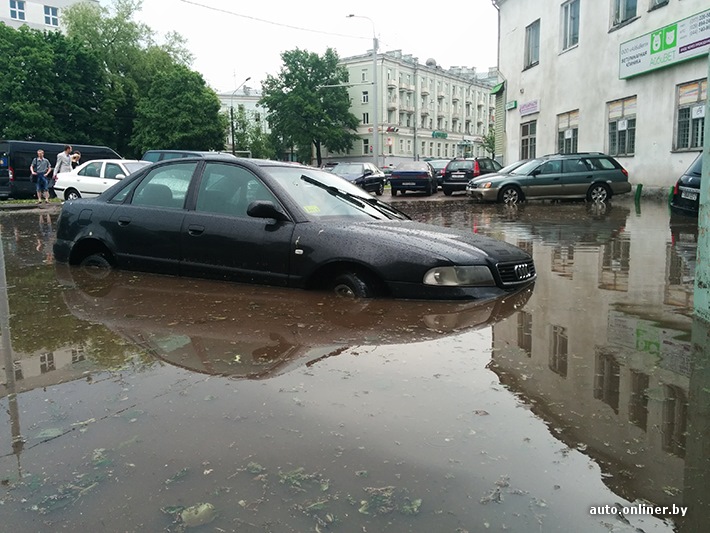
x=365, y=175
x=685, y=198
x=283, y=224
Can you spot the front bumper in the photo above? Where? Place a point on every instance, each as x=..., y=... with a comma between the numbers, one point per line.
x=484, y=195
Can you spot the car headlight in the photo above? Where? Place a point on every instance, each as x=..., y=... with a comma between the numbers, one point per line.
x=487, y=185
x=459, y=276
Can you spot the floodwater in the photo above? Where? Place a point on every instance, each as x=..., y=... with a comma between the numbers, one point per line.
x=147, y=403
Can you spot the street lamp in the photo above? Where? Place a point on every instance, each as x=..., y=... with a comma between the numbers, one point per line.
x=375, y=121
x=231, y=111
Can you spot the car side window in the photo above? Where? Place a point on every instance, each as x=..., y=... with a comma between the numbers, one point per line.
x=92, y=170
x=113, y=170
x=165, y=186
x=485, y=164
x=575, y=165
x=229, y=189
x=551, y=167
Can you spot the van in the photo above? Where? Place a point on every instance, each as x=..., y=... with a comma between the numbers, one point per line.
x=162, y=155
x=16, y=158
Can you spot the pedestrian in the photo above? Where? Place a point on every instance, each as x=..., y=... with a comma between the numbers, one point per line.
x=63, y=165
x=75, y=157
x=40, y=169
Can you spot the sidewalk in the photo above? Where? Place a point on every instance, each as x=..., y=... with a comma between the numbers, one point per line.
x=10, y=205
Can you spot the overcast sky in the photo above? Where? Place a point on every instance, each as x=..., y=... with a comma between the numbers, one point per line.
x=231, y=41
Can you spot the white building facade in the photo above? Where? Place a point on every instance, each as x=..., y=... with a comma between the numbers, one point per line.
x=624, y=77
x=243, y=99
x=423, y=111
x=45, y=15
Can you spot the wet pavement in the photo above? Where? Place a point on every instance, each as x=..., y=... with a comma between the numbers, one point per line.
x=137, y=402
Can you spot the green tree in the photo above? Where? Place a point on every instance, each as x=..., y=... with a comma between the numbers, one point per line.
x=304, y=113
x=179, y=111
x=249, y=135
x=489, y=142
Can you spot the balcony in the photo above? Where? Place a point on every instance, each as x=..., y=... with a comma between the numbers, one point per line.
x=392, y=104
x=424, y=112
x=392, y=84
x=406, y=108
x=409, y=88
x=424, y=90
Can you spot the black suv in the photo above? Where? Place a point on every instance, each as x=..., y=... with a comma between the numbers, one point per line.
x=459, y=172
x=686, y=192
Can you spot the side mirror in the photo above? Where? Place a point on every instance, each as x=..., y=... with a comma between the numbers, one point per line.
x=120, y=176
x=536, y=172
x=368, y=172
x=265, y=209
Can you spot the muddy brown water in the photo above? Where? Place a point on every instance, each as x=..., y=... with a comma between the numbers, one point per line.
x=148, y=403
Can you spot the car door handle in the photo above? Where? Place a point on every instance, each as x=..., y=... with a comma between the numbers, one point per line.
x=124, y=221
x=195, y=230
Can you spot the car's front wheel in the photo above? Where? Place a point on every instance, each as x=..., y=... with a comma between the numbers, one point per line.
x=598, y=193
x=71, y=194
x=353, y=285
x=394, y=191
x=510, y=195
x=381, y=189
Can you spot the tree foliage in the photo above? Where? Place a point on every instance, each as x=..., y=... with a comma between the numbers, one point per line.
x=249, y=135
x=304, y=112
x=88, y=86
x=179, y=111
x=489, y=142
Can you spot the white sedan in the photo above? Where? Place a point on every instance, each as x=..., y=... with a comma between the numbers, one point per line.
x=94, y=177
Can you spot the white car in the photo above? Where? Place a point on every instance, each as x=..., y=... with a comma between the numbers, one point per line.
x=94, y=177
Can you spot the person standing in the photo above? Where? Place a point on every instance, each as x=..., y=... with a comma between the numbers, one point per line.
x=63, y=165
x=40, y=170
x=75, y=157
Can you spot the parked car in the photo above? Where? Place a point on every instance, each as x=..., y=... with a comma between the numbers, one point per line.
x=413, y=176
x=365, y=175
x=94, y=177
x=16, y=158
x=161, y=155
x=458, y=172
x=439, y=165
x=284, y=224
x=685, y=199
x=591, y=175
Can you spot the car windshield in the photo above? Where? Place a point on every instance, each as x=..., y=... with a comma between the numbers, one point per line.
x=342, y=169
x=696, y=168
x=323, y=194
x=460, y=165
x=510, y=168
x=412, y=166
x=528, y=167
x=133, y=166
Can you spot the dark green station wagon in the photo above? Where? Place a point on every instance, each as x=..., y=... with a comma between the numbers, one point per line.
x=593, y=176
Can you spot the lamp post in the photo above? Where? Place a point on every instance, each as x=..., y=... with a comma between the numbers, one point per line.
x=375, y=121
x=231, y=111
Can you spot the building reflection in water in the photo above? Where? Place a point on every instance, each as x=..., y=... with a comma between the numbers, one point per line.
x=603, y=349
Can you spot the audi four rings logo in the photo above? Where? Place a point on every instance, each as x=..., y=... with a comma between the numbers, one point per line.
x=522, y=271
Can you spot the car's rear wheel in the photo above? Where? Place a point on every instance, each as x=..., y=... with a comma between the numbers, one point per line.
x=510, y=195
x=447, y=192
x=71, y=194
x=394, y=191
x=353, y=285
x=381, y=189
x=97, y=265
x=598, y=192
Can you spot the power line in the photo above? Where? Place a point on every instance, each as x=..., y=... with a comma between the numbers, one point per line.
x=299, y=28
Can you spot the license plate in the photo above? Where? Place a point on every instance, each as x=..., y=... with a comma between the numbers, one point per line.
x=408, y=183
x=689, y=195
x=458, y=174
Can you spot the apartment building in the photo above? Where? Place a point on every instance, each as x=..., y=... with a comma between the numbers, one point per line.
x=423, y=110
x=625, y=77
x=45, y=15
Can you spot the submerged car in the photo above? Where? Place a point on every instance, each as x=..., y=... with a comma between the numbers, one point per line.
x=593, y=176
x=458, y=172
x=285, y=224
x=365, y=175
x=685, y=199
x=94, y=177
x=413, y=176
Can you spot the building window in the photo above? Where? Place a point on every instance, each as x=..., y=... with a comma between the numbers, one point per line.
x=77, y=356
x=638, y=402
x=690, y=123
x=532, y=44
x=607, y=380
x=674, y=420
x=365, y=97
x=528, y=136
x=46, y=362
x=622, y=126
x=525, y=332
x=363, y=75
x=624, y=10
x=17, y=365
x=570, y=24
x=567, y=132
x=558, y=354
x=657, y=3
x=366, y=146
x=423, y=148
x=17, y=9
x=51, y=16
x=366, y=118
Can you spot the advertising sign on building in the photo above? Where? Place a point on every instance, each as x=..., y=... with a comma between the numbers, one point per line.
x=528, y=108
x=680, y=41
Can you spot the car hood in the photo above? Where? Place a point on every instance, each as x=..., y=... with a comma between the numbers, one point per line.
x=444, y=243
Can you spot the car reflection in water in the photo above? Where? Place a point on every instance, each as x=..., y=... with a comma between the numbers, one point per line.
x=244, y=331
